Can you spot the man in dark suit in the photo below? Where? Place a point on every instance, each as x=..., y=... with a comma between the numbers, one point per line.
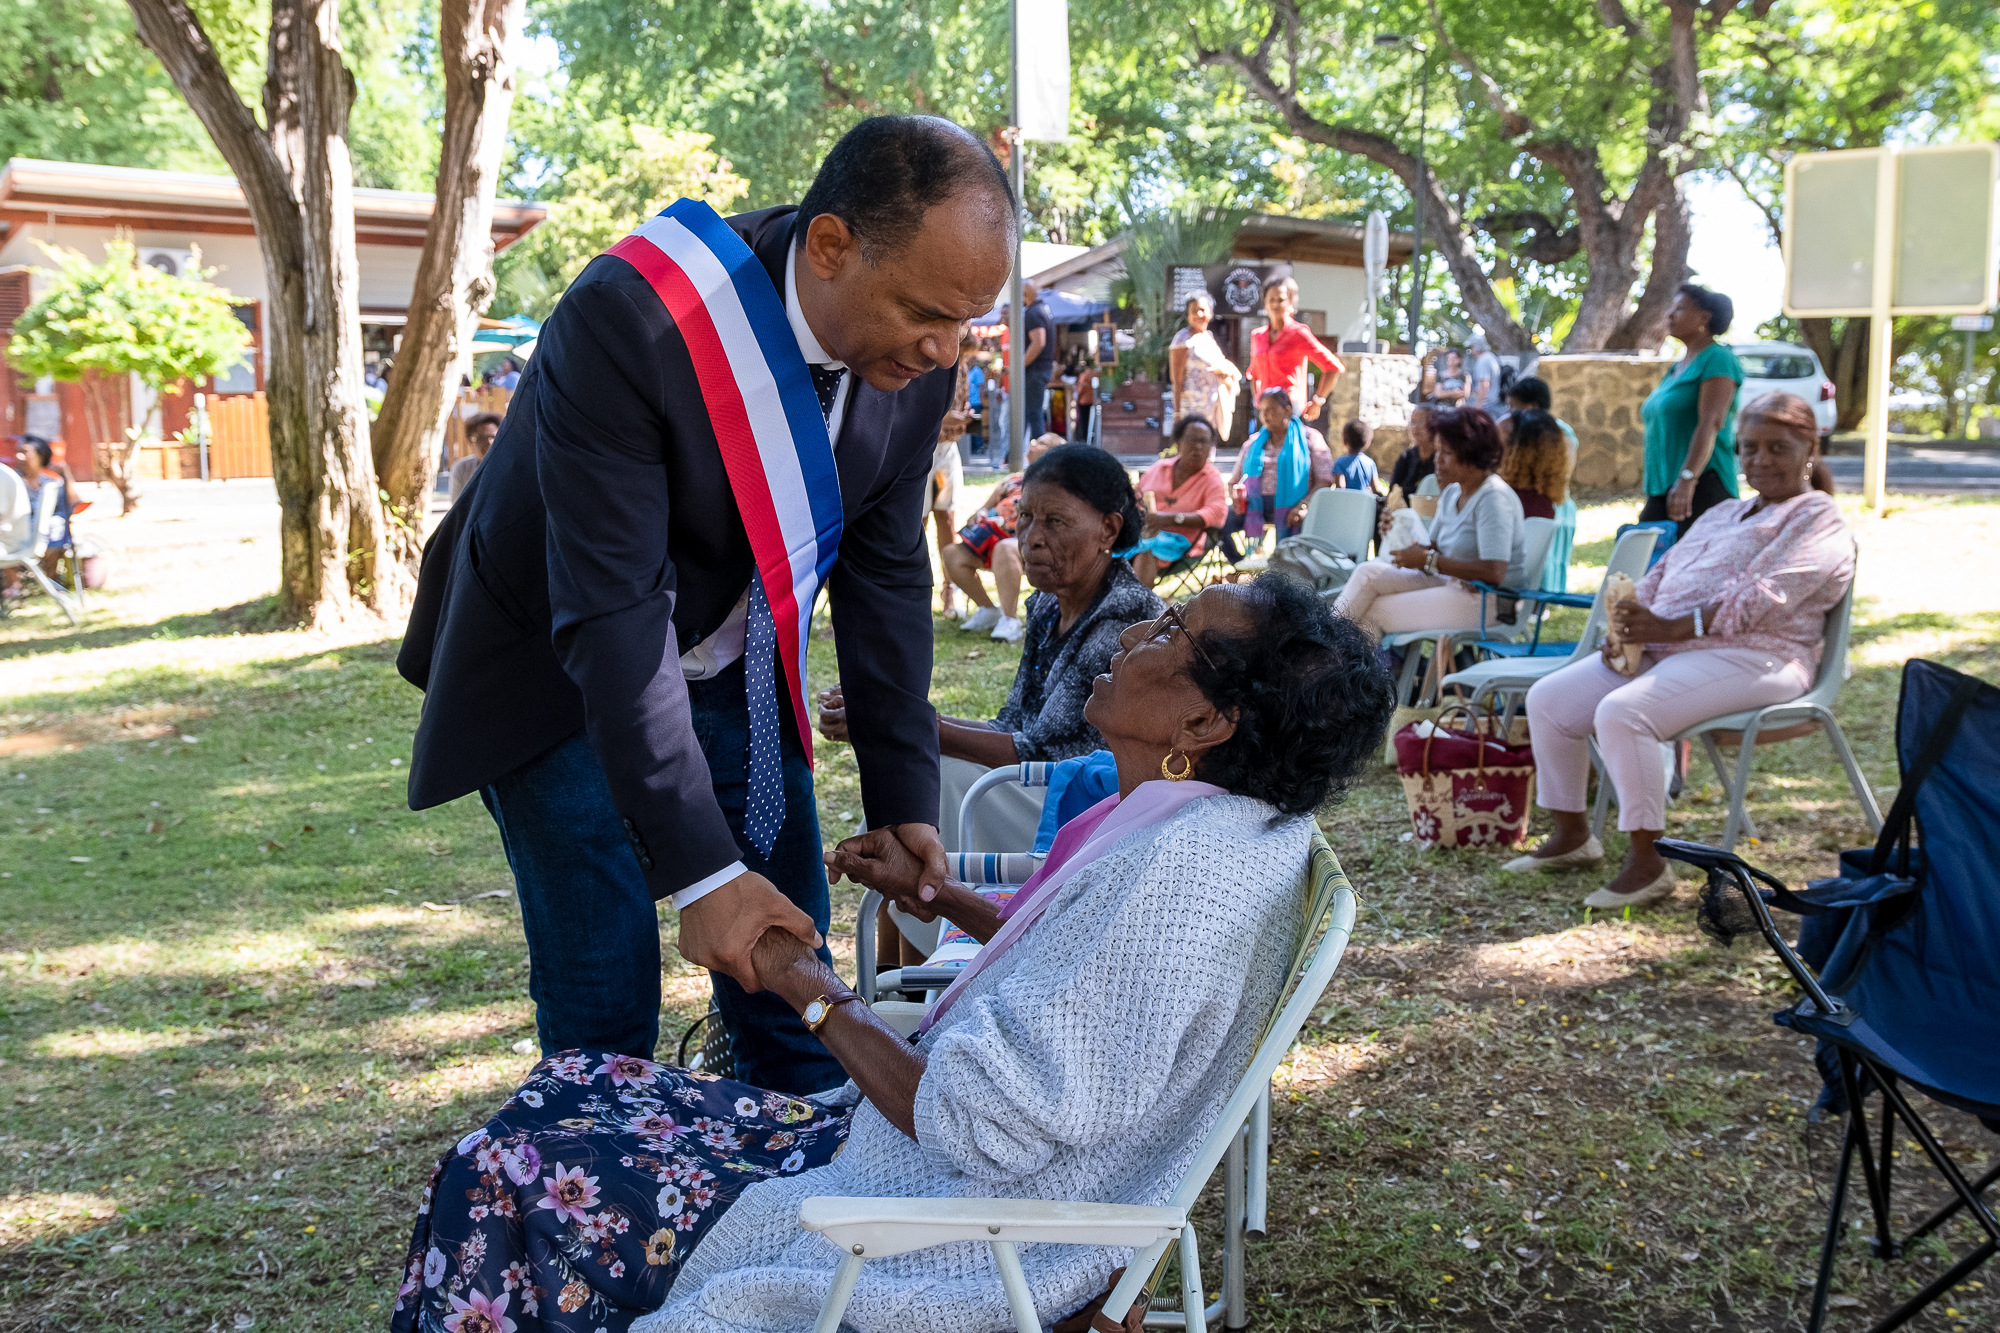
x=580, y=622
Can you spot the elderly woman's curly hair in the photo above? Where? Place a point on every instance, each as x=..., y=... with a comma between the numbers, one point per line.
x=1310, y=698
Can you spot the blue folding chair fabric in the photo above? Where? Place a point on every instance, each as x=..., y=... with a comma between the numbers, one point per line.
x=1914, y=948
x=1074, y=786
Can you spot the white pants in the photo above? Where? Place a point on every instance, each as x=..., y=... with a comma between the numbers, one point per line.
x=1384, y=599
x=1631, y=717
x=1008, y=815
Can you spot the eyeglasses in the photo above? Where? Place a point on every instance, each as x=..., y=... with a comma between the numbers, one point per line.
x=1172, y=620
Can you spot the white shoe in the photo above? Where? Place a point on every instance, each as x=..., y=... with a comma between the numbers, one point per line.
x=1010, y=630
x=986, y=617
x=1663, y=887
x=1589, y=854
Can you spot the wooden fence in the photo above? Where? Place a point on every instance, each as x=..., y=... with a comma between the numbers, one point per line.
x=239, y=437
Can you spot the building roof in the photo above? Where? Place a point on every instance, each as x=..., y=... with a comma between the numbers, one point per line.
x=1262, y=236
x=76, y=193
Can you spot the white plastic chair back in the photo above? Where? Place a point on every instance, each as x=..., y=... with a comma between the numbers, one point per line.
x=1628, y=557
x=1343, y=519
x=1538, y=538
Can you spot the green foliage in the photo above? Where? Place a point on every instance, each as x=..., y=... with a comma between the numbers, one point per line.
x=1161, y=240
x=123, y=317
x=631, y=173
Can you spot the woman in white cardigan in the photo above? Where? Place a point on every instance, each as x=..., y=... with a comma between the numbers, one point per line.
x=1082, y=1055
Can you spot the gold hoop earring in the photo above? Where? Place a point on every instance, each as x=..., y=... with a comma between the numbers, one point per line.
x=1169, y=774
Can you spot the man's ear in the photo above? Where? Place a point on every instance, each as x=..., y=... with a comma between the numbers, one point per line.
x=829, y=246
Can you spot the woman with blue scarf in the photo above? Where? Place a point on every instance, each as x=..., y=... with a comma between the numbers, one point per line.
x=1280, y=467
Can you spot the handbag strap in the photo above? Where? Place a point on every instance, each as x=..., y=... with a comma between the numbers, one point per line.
x=1895, y=827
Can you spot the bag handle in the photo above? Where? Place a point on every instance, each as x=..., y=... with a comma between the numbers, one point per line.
x=1895, y=826
x=1478, y=741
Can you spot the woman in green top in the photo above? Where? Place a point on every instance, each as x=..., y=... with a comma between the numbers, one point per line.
x=1691, y=418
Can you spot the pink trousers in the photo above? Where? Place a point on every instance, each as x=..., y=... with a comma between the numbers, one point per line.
x=1631, y=717
x=1383, y=599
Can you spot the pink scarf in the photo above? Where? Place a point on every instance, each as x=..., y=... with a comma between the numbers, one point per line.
x=1081, y=841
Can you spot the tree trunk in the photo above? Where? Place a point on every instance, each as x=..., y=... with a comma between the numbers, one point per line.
x=454, y=280
x=297, y=180
x=1844, y=357
x=1673, y=231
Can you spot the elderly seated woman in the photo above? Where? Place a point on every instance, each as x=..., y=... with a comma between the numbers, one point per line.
x=1076, y=509
x=1475, y=535
x=1731, y=616
x=1096, y=1036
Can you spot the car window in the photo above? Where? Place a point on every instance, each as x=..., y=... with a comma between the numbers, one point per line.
x=1776, y=366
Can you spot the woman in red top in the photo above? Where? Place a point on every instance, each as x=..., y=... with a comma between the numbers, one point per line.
x=1279, y=352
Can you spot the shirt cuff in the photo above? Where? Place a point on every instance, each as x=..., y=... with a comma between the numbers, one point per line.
x=701, y=888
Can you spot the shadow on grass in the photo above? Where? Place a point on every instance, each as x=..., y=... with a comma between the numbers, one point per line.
x=254, y=617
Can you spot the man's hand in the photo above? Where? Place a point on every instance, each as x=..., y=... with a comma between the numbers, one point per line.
x=720, y=929
x=833, y=714
x=904, y=862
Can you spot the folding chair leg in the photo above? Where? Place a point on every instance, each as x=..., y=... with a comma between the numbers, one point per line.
x=1883, y=1242
x=1260, y=1161
x=1851, y=1142
x=1739, y=824
x=1194, y=1299
x=1019, y=1299
x=1235, y=1308
x=1413, y=655
x=844, y=1279
x=71, y=606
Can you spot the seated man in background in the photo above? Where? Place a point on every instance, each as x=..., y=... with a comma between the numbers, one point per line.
x=480, y=432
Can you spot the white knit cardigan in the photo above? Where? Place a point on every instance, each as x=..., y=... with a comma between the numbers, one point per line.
x=1087, y=1064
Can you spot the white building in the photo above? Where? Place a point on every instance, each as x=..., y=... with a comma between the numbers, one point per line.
x=170, y=216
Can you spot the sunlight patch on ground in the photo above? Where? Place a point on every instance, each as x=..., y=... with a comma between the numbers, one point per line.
x=425, y=1028
x=1584, y=955
x=90, y=1043
x=487, y=1079
x=40, y=1216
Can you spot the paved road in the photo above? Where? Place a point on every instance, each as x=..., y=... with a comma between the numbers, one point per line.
x=1926, y=471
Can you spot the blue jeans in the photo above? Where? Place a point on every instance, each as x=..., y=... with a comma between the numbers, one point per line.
x=592, y=927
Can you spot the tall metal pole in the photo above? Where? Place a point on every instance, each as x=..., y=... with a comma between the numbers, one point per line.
x=1417, y=251
x=1017, y=377
x=1965, y=389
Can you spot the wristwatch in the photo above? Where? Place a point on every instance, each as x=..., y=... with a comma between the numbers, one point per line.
x=1686, y=475
x=819, y=1010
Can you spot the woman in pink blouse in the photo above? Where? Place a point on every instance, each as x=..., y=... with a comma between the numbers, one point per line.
x=1731, y=616
x=1279, y=353
x=1182, y=498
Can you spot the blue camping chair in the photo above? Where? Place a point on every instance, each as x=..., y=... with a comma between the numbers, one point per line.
x=1899, y=959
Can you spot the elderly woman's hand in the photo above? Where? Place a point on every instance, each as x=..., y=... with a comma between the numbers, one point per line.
x=1410, y=557
x=833, y=714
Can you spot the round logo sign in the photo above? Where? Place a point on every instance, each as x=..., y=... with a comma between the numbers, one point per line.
x=1240, y=291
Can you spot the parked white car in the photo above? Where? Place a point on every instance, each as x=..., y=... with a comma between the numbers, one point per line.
x=1787, y=368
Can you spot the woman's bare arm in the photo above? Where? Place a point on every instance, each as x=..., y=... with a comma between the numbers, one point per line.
x=882, y=1064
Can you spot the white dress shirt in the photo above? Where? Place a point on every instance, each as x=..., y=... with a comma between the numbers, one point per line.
x=715, y=653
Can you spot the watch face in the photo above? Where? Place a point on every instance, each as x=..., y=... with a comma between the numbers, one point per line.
x=815, y=1012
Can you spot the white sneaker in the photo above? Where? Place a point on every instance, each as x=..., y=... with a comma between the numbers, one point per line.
x=1010, y=630
x=986, y=617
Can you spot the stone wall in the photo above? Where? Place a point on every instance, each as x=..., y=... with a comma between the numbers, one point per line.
x=1375, y=389
x=1599, y=396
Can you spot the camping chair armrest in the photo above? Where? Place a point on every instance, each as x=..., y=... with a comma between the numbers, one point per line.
x=1726, y=871
x=877, y=1228
x=1535, y=595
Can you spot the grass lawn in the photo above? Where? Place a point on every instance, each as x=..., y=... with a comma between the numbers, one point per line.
x=249, y=996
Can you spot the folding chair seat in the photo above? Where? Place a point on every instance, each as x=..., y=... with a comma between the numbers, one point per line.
x=1186, y=574
x=1813, y=708
x=1899, y=960
x=28, y=555
x=1537, y=536
x=1239, y=1142
x=1509, y=671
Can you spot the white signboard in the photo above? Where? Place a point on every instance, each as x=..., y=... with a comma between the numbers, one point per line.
x=1041, y=74
x=1972, y=323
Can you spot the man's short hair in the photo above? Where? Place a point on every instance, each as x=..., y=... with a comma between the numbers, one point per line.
x=474, y=422
x=886, y=172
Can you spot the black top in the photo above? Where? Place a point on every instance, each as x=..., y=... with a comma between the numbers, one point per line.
x=598, y=542
x=1035, y=317
x=1411, y=468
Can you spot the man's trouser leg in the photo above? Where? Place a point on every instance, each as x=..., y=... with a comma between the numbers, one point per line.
x=593, y=930
x=771, y=1044
x=1035, y=383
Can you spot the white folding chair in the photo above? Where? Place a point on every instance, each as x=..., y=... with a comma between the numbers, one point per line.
x=29, y=552
x=1512, y=676
x=1537, y=536
x=1815, y=705
x=865, y=1229
x=1343, y=519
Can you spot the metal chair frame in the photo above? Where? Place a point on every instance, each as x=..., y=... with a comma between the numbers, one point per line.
x=1860, y=1074
x=29, y=555
x=1538, y=534
x=1240, y=1141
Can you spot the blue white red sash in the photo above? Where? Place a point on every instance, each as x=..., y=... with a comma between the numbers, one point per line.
x=761, y=403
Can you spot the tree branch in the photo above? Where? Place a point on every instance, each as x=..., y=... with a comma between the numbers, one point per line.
x=1771, y=218
x=1512, y=122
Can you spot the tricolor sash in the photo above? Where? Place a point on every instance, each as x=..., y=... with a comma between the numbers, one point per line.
x=761, y=403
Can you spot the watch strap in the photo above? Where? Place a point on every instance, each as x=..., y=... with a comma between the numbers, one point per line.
x=827, y=1005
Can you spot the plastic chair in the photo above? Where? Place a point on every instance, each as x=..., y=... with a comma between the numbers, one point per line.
x=1815, y=705
x=1537, y=535
x=1344, y=519
x=867, y=1229
x=1506, y=672
x=1896, y=959
x=28, y=555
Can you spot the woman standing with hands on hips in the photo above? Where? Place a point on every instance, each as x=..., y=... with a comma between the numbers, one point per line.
x=1279, y=353
x=1691, y=418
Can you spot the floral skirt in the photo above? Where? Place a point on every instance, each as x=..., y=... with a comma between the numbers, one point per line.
x=577, y=1204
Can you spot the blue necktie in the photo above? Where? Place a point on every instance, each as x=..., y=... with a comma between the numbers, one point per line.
x=765, y=813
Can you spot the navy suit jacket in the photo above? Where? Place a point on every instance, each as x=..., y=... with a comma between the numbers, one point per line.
x=599, y=540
